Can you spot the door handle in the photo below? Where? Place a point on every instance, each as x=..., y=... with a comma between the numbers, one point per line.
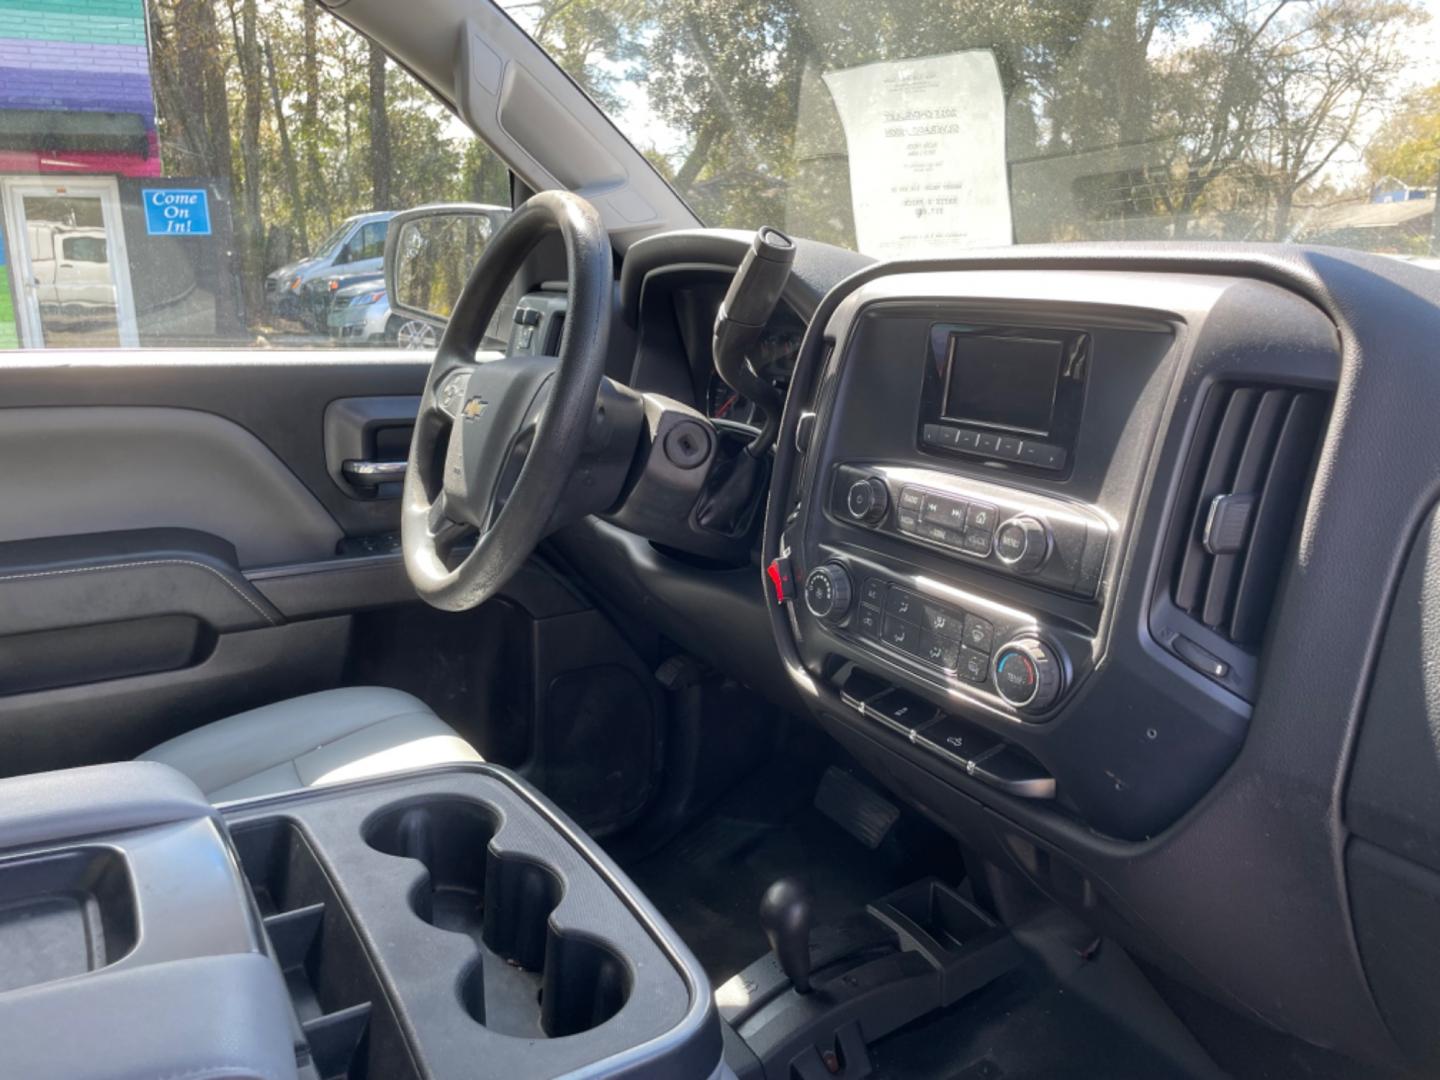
x=371, y=474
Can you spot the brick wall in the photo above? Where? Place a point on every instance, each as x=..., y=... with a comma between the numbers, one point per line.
x=77, y=55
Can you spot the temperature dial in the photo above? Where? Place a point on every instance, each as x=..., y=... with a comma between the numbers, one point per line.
x=827, y=592
x=1028, y=674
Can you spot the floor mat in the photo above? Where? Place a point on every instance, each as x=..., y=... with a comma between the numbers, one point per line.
x=1083, y=1013
x=1063, y=1013
x=1021, y=1027
x=708, y=881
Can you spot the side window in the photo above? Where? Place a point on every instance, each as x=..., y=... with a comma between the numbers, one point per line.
x=88, y=249
x=198, y=174
x=370, y=244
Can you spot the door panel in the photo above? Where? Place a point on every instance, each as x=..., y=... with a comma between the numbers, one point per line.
x=174, y=546
x=279, y=397
x=114, y=719
x=111, y=467
x=71, y=581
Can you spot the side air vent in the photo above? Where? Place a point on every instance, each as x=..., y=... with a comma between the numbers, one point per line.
x=1244, y=482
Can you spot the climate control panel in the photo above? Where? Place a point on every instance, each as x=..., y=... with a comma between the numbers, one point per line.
x=998, y=655
x=1055, y=543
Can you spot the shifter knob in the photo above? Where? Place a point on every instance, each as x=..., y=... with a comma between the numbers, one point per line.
x=785, y=915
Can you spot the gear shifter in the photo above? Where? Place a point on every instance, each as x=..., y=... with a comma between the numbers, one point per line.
x=785, y=915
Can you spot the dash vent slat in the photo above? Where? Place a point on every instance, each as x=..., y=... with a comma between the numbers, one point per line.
x=1224, y=445
x=1275, y=516
x=1248, y=480
x=1252, y=453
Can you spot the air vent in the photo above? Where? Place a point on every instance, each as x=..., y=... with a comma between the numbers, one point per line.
x=1246, y=477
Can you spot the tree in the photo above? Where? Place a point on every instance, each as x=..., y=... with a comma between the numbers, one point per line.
x=1327, y=72
x=590, y=39
x=1208, y=103
x=310, y=114
x=1407, y=146
x=486, y=179
x=379, y=131
x=287, y=153
x=245, y=29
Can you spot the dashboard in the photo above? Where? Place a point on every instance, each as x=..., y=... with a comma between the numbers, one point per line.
x=1118, y=563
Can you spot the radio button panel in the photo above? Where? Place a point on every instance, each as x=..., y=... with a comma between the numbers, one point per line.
x=1064, y=545
x=1035, y=452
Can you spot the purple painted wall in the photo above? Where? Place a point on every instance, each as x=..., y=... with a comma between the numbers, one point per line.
x=77, y=56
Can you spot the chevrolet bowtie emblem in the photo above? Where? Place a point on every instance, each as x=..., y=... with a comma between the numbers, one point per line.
x=474, y=407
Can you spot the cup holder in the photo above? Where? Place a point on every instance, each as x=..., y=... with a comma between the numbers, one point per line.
x=527, y=980
x=450, y=839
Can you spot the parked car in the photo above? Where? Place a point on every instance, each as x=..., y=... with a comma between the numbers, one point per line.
x=317, y=295
x=356, y=248
x=360, y=314
x=71, y=268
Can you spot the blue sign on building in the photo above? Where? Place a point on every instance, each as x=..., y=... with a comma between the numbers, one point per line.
x=176, y=211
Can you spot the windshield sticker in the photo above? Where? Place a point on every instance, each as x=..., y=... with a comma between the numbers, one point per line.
x=926, y=145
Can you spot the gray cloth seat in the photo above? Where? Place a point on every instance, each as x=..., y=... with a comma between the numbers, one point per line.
x=317, y=739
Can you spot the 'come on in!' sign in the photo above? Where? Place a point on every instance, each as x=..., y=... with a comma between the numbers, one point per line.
x=177, y=211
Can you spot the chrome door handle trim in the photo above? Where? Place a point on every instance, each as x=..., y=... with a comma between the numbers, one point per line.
x=373, y=473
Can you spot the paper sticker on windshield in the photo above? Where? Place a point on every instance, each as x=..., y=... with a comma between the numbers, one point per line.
x=926, y=144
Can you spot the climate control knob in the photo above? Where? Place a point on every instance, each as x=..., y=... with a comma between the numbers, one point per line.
x=1028, y=674
x=827, y=592
x=867, y=500
x=1022, y=543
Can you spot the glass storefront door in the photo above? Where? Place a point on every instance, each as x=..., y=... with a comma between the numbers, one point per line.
x=67, y=255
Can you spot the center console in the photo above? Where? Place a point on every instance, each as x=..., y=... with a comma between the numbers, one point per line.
x=442, y=923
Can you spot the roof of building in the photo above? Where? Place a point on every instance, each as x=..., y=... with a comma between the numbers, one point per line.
x=1368, y=215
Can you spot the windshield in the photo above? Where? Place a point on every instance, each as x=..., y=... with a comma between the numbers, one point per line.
x=334, y=240
x=905, y=128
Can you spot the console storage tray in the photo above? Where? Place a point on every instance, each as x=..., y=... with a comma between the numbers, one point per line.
x=64, y=913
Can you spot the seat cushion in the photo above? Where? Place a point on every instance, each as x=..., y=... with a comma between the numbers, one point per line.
x=322, y=738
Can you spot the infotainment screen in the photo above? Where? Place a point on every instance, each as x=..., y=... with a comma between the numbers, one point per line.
x=1002, y=381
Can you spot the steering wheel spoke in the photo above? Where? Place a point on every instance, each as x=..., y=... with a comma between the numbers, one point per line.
x=448, y=391
x=443, y=531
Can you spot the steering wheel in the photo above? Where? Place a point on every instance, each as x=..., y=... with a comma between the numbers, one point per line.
x=474, y=415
